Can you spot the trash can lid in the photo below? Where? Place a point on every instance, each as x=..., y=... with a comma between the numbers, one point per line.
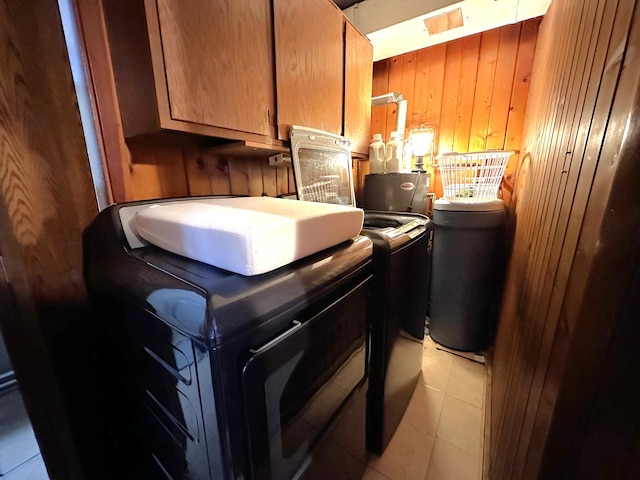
x=486, y=206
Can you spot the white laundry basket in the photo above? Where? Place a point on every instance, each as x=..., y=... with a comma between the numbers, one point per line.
x=472, y=177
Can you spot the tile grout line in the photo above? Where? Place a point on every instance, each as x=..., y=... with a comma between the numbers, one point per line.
x=13, y=470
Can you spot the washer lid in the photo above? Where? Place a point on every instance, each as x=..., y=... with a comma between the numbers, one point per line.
x=322, y=166
x=489, y=206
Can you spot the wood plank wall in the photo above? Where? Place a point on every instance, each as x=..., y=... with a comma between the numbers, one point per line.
x=473, y=91
x=171, y=166
x=569, y=275
x=46, y=199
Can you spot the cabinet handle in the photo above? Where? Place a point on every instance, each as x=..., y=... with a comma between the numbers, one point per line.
x=296, y=325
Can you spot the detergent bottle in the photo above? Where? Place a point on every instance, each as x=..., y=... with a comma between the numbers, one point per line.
x=394, y=150
x=377, y=157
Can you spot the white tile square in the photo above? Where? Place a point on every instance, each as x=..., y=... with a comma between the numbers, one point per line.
x=407, y=455
x=435, y=370
x=449, y=462
x=17, y=440
x=461, y=424
x=466, y=384
x=424, y=408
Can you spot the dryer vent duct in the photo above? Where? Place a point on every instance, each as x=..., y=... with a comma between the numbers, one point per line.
x=401, y=114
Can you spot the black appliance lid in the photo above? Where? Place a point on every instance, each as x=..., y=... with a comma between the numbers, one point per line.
x=204, y=302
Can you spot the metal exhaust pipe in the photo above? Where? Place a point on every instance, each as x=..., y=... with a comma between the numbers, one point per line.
x=401, y=114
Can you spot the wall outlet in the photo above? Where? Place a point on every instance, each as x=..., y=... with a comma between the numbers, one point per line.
x=280, y=160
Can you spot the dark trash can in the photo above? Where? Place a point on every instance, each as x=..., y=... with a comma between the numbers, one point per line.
x=469, y=250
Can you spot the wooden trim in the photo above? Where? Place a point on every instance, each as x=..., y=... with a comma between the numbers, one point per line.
x=108, y=127
x=485, y=457
x=250, y=149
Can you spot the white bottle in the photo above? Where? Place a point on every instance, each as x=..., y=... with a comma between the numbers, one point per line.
x=407, y=153
x=394, y=153
x=377, y=156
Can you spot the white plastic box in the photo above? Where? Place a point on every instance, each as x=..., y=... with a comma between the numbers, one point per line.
x=472, y=177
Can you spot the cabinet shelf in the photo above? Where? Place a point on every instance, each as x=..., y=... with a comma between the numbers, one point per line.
x=248, y=148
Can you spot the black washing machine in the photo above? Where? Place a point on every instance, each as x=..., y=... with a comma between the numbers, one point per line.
x=209, y=374
x=400, y=291
x=402, y=245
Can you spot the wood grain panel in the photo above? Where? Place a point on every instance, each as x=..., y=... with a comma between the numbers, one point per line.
x=94, y=47
x=309, y=65
x=145, y=175
x=409, y=73
x=130, y=60
x=171, y=169
x=429, y=86
x=358, y=64
x=46, y=199
x=380, y=87
x=483, y=102
x=238, y=176
x=196, y=171
x=254, y=175
x=218, y=62
x=135, y=33
x=218, y=170
x=572, y=180
x=504, y=86
x=466, y=92
x=614, y=29
x=473, y=91
x=515, y=120
x=282, y=181
x=245, y=176
x=557, y=312
x=449, y=112
x=394, y=85
x=536, y=259
x=269, y=179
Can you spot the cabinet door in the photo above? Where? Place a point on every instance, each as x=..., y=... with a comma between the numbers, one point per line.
x=358, y=66
x=218, y=61
x=309, y=65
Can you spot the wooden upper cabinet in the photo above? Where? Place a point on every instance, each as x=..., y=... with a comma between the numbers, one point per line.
x=309, y=65
x=195, y=66
x=358, y=75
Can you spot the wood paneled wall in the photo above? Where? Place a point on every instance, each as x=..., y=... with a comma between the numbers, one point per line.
x=168, y=166
x=563, y=404
x=472, y=90
x=46, y=199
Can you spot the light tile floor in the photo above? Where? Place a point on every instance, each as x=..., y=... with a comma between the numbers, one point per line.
x=439, y=438
x=20, y=457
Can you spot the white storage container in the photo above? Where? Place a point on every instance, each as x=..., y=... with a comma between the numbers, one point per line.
x=472, y=177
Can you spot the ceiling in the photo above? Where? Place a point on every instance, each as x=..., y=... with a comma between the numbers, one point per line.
x=398, y=26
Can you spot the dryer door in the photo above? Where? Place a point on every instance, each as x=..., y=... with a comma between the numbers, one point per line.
x=294, y=384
